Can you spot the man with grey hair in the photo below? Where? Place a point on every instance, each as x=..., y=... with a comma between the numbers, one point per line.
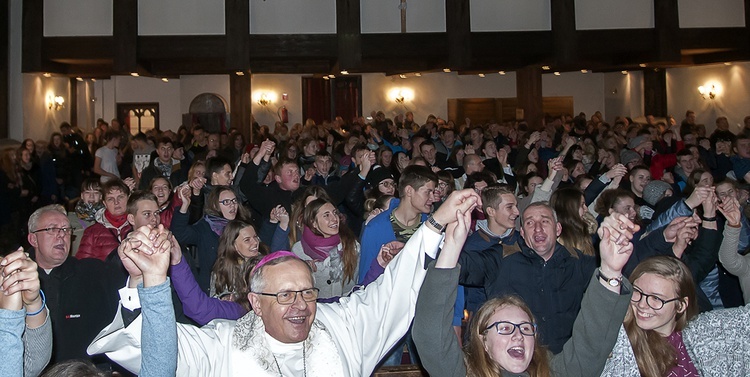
x=81, y=294
x=549, y=277
x=287, y=333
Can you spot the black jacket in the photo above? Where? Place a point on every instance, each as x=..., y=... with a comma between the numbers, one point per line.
x=553, y=289
x=82, y=299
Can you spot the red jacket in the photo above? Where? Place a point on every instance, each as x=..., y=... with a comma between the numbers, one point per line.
x=101, y=238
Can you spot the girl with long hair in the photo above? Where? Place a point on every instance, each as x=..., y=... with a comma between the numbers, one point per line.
x=503, y=338
x=298, y=207
x=238, y=243
x=329, y=247
x=570, y=206
x=161, y=187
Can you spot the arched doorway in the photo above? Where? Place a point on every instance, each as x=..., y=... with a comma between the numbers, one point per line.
x=209, y=110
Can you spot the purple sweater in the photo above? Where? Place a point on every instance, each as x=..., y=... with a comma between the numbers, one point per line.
x=195, y=303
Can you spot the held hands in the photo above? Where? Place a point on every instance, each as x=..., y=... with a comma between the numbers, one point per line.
x=616, y=247
x=455, y=236
x=464, y=201
x=148, y=250
x=686, y=235
x=20, y=282
x=698, y=196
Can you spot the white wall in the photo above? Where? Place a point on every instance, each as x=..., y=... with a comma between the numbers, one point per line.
x=713, y=13
x=384, y=16
x=180, y=17
x=77, y=17
x=39, y=121
x=732, y=101
x=274, y=86
x=510, y=15
x=623, y=95
x=192, y=86
x=127, y=89
x=614, y=14
x=85, y=92
x=292, y=17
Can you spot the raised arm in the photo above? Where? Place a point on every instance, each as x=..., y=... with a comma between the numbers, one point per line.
x=736, y=264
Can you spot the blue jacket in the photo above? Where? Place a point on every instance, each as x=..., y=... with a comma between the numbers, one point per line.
x=481, y=241
x=553, y=289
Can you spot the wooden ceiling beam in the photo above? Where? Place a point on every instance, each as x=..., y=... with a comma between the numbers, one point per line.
x=349, y=34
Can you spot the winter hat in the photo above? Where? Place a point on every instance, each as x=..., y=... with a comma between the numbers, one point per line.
x=378, y=175
x=654, y=191
x=636, y=141
x=627, y=156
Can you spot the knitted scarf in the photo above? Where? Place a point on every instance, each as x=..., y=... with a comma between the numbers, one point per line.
x=116, y=221
x=317, y=247
x=217, y=223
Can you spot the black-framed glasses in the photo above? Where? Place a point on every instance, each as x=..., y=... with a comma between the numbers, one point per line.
x=652, y=301
x=507, y=328
x=388, y=184
x=55, y=231
x=228, y=202
x=289, y=297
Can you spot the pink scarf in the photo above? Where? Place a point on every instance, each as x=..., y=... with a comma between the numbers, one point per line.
x=318, y=247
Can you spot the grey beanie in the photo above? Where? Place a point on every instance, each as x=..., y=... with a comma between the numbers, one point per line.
x=654, y=191
x=627, y=156
x=636, y=141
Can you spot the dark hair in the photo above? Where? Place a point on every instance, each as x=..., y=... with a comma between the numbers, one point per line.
x=114, y=184
x=212, y=205
x=566, y=202
x=524, y=181
x=138, y=196
x=74, y=368
x=215, y=164
x=349, y=253
x=415, y=176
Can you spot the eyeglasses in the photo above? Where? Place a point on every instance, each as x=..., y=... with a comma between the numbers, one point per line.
x=228, y=202
x=442, y=184
x=508, y=328
x=55, y=231
x=289, y=297
x=652, y=301
x=388, y=184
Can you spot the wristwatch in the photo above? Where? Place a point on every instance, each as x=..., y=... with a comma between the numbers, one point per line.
x=613, y=282
x=436, y=224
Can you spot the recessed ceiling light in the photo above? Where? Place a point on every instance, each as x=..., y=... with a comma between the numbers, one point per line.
x=47, y=74
x=164, y=79
x=481, y=75
x=418, y=74
x=239, y=73
x=502, y=72
x=402, y=76
x=642, y=65
x=344, y=72
x=557, y=73
x=624, y=72
x=584, y=71
x=545, y=67
x=446, y=70
x=134, y=74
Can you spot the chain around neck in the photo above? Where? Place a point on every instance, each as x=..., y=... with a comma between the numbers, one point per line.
x=304, y=363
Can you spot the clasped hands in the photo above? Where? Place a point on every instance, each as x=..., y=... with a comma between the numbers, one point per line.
x=146, y=253
x=20, y=282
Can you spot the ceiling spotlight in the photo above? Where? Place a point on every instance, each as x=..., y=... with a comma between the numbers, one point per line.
x=47, y=74
x=446, y=70
x=502, y=73
x=481, y=75
x=545, y=67
x=79, y=79
x=642, y=65
x=325, y=77
x=624, y=72
x=344, y=72
x=164, y=79
x=134, y=74
x=93, y=79
x=727, y=63
x=240, y=73
x=418, y=74
x=557, y=73
x=402, y=76
x=584, y=71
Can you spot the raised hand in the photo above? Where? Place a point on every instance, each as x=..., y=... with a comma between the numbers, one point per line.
x=730, y=208
x=152, y=256
x=698, y=196
x=130, y=182
x=388, y=251
x=620, y=228
x=616, y=247
x=463, y=200
x=685, y=236
x=674, y=227
x=20, y=282
x=455, y=236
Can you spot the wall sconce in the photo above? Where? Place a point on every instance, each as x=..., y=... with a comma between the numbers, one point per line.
x=55, y=102
x=401, y=95
x=708, y=92
x=263, y=100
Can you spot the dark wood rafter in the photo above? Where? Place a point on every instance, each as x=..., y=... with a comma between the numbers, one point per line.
x=667, y=25
x=240, y=115
x=529, y=94
x=237, y=47
x=33, y=35
x=458, y=28
x=563, y=47
x=564, y=37
x=655, y=92
x=73, y=101
x=4, y=69
x=125, y=36
x=349, y=34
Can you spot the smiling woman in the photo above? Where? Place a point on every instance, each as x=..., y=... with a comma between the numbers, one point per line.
x=329, y=247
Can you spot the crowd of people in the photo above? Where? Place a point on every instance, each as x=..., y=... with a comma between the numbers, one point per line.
x=581, y=248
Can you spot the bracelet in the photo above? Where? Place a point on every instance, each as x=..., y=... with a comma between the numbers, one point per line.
x=708, y=218
x=436, y=224
x=44, y=304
